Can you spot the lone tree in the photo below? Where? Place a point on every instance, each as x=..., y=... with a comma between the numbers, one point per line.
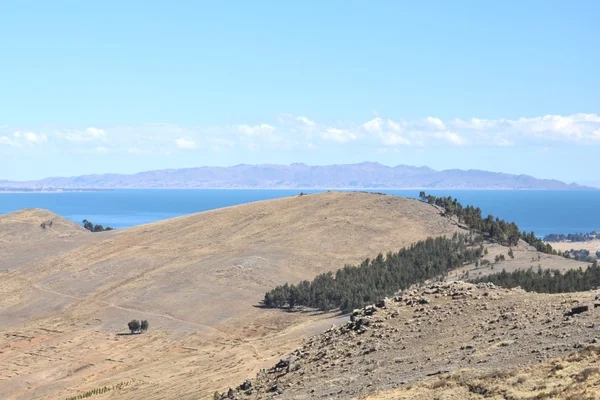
x=134, y=325
x=144, y=325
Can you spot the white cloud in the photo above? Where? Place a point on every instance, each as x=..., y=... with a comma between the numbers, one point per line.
x=306, y=121
x=33, y=138
x=185, y=143
x=450, y=137
x=436, y=123
x=339, y=135
x=87, y=135
x=95, y=132
x=373, y=125
x=287, y=132
x=102, y=150
x=256, y=129
x=394, y=126
x=392, y=139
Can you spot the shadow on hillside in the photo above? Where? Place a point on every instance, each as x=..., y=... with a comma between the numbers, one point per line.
x=306, y=311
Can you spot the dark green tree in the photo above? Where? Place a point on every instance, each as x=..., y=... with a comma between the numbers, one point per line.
x=134, y=326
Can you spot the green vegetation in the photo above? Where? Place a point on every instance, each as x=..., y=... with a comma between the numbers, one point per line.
x=136, y=326
x=494, y=229
x=572, y=237
x=354, y=286
x=95, y=228
x=547, y=280
x=100, y=390
x=48, y=224
x=580, y=255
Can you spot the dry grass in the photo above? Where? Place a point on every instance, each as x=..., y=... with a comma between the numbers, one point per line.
x=579, y=379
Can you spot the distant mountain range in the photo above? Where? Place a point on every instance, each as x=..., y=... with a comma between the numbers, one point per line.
x=367, y=175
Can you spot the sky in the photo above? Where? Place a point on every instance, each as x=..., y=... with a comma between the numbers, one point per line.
x=122, y=87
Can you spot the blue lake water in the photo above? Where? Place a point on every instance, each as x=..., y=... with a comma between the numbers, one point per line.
x=540, y=211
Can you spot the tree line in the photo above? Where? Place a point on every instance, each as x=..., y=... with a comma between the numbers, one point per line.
x=95, y=228
x=572, y=237
x=581, y=255
x=355, y=286
x=494, y=229
x=547, y=280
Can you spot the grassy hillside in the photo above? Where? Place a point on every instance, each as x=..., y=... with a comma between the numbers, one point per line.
x=196, y=279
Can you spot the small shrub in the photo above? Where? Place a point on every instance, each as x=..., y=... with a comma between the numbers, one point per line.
x=134, y=325
x=144, y=325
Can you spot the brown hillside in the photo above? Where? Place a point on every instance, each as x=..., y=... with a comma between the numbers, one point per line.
x=22, y=237
x=196, y=279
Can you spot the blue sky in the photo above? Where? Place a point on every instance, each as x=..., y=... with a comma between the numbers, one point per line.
x=93, y=87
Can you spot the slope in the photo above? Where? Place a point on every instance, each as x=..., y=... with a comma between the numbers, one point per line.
x=476, y=338
x=196, y=279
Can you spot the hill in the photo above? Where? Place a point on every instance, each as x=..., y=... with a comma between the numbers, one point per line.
x=197, y=279
x=301, y=176
x=31, y=233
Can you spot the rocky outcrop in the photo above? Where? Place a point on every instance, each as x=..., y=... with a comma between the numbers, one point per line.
x=424, y=332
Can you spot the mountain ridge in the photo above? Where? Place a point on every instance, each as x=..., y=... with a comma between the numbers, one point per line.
x=365, y=175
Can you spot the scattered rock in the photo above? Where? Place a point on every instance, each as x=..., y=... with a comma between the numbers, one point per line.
x=576, y=310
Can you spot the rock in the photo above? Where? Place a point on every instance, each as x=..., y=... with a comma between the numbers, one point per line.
x=274, y=388
x=576, y=310
x=381, y=303
x=283, y=364
x=245, y=386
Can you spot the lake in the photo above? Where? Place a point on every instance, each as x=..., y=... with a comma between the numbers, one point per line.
x=540, y=211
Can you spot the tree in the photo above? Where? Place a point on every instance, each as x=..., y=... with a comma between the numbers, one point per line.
x=144, y=325
x=511, y=254
x=94, y=228
x=134, y=325
x=88, y=225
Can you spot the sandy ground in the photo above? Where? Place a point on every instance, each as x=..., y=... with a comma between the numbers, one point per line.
x=66, y=294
